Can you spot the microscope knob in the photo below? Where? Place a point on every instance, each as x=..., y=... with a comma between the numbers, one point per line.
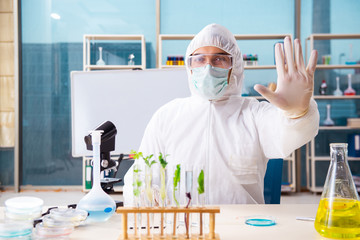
x=104, y=163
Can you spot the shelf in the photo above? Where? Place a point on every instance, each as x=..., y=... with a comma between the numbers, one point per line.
x=336, y=97
x=323, y=66
x=237, y=37
x=261, y=36
x=108, y=67
x=337, y=128
x=324, y=158
x=111, y=37
x=246, y=67
x=260, y=67
x=328, y=36
x=172, y=66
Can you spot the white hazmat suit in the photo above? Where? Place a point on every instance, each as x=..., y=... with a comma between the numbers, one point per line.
x=231, y=137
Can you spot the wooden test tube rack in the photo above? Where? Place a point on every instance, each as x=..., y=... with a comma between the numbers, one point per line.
x=174, y=210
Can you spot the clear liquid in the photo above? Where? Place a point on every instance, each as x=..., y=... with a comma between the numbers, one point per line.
x=338, y=218
x=100, y=216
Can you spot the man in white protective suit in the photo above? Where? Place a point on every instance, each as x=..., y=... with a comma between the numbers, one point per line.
x=229, y=136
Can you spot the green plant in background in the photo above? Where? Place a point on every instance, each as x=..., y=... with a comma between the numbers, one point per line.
x=176, y=183
x=163, y=163
x=200, y=180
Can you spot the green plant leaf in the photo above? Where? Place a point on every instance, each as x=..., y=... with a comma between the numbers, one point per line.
x=200, y=180
x=147, y=160
x=162, y=160
x=136, y=154
x=176, y=179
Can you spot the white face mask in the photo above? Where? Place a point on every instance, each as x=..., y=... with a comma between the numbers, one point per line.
x=211, y=82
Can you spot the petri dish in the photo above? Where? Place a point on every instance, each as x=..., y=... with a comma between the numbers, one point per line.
x=15, y=229
x=41, y=231
x=75, y=216
x=24, y=216
x=49, y=221
x=260, y=221
x=24, y=204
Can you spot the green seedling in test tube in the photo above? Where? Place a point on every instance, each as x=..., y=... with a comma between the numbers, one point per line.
x=136, y=174
x=163, y=163
x=200, y=180
x=148, y=177
x=176, y=183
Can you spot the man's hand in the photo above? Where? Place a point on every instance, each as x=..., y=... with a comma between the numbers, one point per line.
x=295, y=83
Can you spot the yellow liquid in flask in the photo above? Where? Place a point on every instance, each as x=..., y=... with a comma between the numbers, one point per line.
x=338, y=218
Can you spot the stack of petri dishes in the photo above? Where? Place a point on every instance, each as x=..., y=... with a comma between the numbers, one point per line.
x=15, y=230
x=59, y=223
x=19, y=215
x=23, y=208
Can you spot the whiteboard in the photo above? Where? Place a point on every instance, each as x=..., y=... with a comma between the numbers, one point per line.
x=127, y=98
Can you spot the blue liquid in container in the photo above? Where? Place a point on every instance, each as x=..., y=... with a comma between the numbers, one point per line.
x=100, y=216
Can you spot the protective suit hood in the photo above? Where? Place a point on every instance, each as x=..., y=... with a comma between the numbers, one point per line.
x=218, y=36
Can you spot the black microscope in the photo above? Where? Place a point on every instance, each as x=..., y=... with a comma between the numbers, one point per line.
x=107, y=165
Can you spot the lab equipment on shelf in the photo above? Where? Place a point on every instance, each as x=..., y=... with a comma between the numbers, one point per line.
x=326, y=59
x=350, y=60
x=250, y=60
x=349, y=91
x=97, y=203
x=328, y=121
x=338, y=91
x=100, y=62
x=175, y=60
x=323, y=87
x=131, y=59
x=338, y=212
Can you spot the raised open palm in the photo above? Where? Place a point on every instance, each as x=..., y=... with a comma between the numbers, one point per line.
x=295, y=83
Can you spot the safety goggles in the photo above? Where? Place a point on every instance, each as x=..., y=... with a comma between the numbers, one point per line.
x=216, y=60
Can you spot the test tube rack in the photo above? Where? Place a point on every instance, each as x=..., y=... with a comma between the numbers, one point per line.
x=211, y=210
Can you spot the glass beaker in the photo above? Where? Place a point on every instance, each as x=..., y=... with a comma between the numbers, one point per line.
x=338, y=213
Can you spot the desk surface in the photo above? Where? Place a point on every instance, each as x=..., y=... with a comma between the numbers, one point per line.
x=230, y=223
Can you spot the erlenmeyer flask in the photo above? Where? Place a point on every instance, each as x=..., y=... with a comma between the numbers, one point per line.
x=338, y=214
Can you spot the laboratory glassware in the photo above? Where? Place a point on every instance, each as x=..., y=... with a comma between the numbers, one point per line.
x=163, y=181
x=338, y=91
x=338, y=213
x=350, y=60
x=176, y=185
x=349, y=91
x=328, y=121
x=97, y=203
x=323, y=87
x=100, y=61
x=131, y=59
x=188, y=196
